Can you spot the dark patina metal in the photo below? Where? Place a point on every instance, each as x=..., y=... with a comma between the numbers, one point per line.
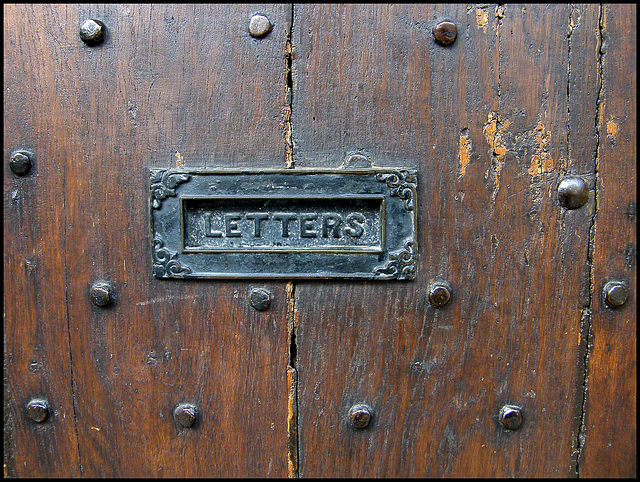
x=615, y=293
x=360, y=416
x=573, y=192
x=445, y=32
x=439, y=294
x=260, y=299
x=511, y=417
x=260, y=25
x=101, y=294
x=20, y=163
x=185, y=415
x=284, y=223
x=92, y=32
x=38, y=410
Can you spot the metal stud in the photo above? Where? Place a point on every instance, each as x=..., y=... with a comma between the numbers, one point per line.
x=185, y=415
x=92, y=32
x=259, y=25
x=511, y=417
x=260, y=299
x=360, y=416
x=615, y=293
x=573, y=192
x=101, y=294
x=20, y=163
x=439, y=294
x=445, y=32
x=38, y=410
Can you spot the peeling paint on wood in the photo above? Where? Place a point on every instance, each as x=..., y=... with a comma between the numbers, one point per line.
x=482, y=19
x=612, y=130
x=464, y=152
x=541, y=160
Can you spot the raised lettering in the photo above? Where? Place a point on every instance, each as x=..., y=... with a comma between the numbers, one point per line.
x=307, y=226
x=331, y=223
x=355, y=225
x=285, y=218
x=210, y=231
x=257, y=221
x=231, y=225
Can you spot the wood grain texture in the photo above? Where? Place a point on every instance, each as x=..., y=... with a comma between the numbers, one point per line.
x=527, y=95
x=171, y=85
x=610, y=430
x=37, y=360
x=486, y=123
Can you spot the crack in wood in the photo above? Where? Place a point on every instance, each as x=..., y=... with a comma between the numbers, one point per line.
x=587, y=319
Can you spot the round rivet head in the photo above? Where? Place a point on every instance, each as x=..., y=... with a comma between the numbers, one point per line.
x=445, y=32
x=101, y=294
x=615, y=293
x=92, y=32
x=439, y=295
x=185, y=415
x=38, y=410
x=360, y=416
x=259, y=26
x=573, y=192
x=511, y=417
x=20, y=163
x=260, y=299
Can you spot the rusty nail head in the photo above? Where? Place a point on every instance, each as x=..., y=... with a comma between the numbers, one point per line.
x=92, y=32
x=101, y=294
x=38, y=410
x=445, y=32
x=20, y=163
x=573, y=192
x=360, y=416
x=185, y=415
x=615, y=293
x=439, y=295
x=259, y=25
x=511, y=417
x=260, y=299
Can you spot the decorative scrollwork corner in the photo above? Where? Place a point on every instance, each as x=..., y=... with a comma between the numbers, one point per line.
x=165, y=264
x=402, y=183
x=163, y=185
x=401, y=264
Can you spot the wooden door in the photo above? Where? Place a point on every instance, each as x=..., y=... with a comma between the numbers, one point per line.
x=522, y=132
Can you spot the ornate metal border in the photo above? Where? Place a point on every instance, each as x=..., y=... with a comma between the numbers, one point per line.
x=163, y=185
x=401, y=264
x=165, y=262
x=166, y=224
x=402, y=184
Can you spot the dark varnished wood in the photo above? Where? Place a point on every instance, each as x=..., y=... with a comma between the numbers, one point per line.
x=527, y=95
x=610, y=429
x=171, y=85
x=36, y=336
x=486, y=122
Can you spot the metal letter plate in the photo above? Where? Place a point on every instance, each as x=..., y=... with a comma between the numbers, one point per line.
x=284, y=223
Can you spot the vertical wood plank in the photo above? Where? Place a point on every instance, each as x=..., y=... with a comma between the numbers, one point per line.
x=582, y=143
x=610, y=432
x=172, y=85
x=486, y=123
x=36, y=335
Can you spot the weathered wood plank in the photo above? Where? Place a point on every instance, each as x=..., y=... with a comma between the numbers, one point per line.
x=171, y=85
x=610, y=431
x=582, y=90
x=36, y=336
x=485, y=121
